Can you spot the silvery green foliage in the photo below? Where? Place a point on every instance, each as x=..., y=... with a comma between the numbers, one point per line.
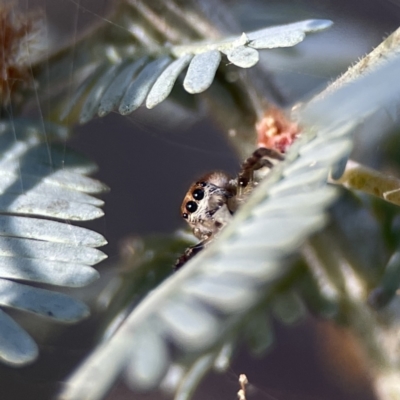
x=125, y=83
x=207, y=300
x=201, y=308
x=38, y=181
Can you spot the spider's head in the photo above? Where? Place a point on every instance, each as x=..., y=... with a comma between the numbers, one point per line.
x=205, y=206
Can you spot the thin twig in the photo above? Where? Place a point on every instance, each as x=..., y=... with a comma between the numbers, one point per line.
x=383, y=53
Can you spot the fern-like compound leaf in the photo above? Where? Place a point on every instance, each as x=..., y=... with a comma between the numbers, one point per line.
x=277, y=36
x=126, y=82
x=41, y=180
x=200, y=308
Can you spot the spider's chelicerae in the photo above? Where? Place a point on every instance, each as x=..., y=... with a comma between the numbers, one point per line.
x=210, y=202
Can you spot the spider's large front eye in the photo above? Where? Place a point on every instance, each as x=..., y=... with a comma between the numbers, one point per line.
x=191, y=206
x=198, y=194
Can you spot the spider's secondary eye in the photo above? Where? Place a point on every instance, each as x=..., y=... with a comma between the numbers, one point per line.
x=201, y=184
x=191, y=206
x=198, y=194
x=243, y=182
x=184, y=215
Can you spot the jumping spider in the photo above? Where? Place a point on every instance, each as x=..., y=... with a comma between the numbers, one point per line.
x=210, y=202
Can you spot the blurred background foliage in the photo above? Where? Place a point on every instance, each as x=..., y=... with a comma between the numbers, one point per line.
x=315, y=358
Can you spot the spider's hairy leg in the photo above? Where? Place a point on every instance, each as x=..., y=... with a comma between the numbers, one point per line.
x=189, y=253
x=259, y=159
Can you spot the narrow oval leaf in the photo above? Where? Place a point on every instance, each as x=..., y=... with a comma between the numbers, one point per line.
x=243, y=56
x=165, y=82
x=43, y=229
x=116, y=90
x=288, y=308
x=285, y=35
x=285, y=39
x=323, y=155
x=43, y=302
x=79, y=92
x=49, y=272
x=24, y=130
x=227, y=294
x=201, y=71
x=301, y=202
x=12, y=149
x=23, y=184
x=149, y=361
x=309, y=179
x=190, y=381
x=75, y=181
x=275, y=36
x=140, y=87
x=250, y=269
x=40, y=160
x=285, y=234
x=91, y=105
x=188, y=323
x=14, y=247
x=17, y=348
x=48, y=207
x=260, y=334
